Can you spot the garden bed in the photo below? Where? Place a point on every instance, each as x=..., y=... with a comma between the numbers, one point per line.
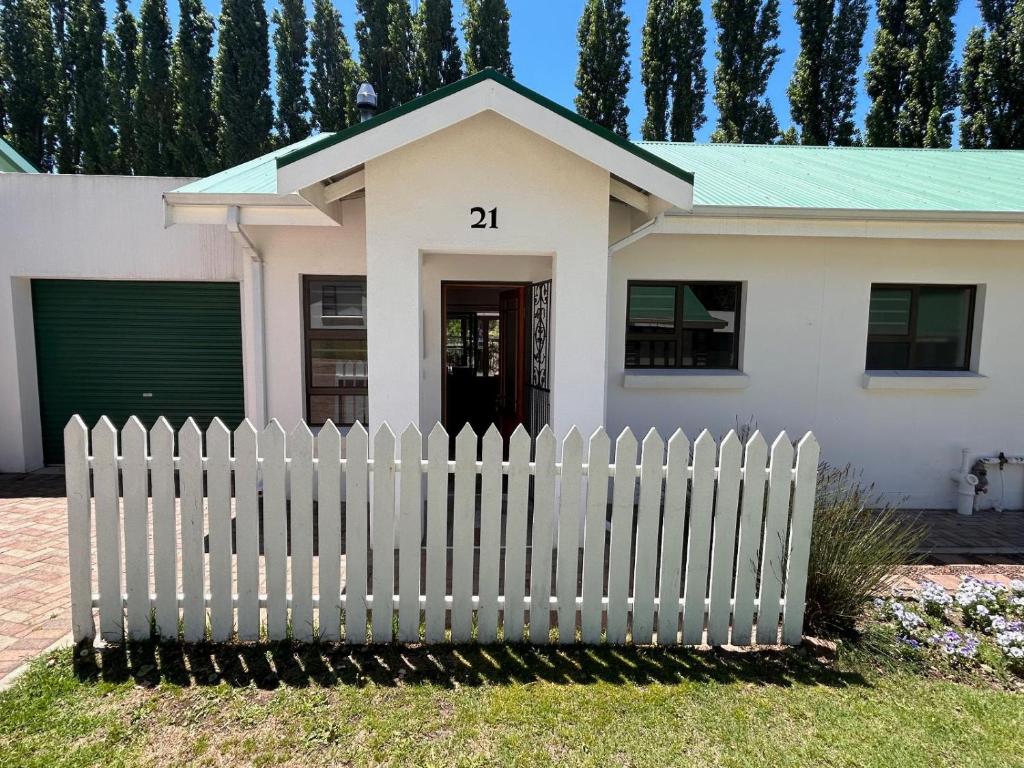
x=976, y=629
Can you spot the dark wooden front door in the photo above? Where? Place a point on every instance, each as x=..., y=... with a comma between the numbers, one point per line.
x=512, y=360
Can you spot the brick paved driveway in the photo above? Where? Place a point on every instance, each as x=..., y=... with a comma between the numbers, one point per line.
x=34, y=599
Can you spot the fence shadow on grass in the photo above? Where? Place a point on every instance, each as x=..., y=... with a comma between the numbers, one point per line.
x=269, y=666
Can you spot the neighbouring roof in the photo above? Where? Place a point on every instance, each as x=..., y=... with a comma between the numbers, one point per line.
x=12, y=162
x=850, y=178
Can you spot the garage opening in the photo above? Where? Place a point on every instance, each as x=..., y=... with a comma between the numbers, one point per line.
x=124, y=348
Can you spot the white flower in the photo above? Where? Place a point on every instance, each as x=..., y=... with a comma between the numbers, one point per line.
x=981, y=610
x=1016, y=652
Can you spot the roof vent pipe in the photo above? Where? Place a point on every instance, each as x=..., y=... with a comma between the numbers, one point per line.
x=366, y=102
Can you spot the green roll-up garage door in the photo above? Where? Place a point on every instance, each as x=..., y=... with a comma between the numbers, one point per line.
x=123, y=348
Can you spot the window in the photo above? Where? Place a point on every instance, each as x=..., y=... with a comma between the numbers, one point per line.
x=335, y=336
x=920, y=327
x=682, y=325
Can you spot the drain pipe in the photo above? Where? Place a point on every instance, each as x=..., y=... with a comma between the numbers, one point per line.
x=253, y=276
x=966, y=484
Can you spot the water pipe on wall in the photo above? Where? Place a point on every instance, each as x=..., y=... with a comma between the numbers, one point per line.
x=966, y=484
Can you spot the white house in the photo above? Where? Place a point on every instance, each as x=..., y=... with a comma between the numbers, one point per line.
x=482, y=255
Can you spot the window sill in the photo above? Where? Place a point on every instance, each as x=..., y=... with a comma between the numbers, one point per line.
x=685, y=379
x=923, y=380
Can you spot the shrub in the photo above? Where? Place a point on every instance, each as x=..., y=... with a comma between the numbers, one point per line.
x=857, y=541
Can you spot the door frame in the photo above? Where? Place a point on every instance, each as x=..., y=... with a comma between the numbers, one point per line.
x=444, y=327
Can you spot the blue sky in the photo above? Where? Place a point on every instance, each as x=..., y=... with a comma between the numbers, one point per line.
x=544, y=49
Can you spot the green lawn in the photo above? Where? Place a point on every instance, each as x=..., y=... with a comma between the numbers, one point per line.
x=265, y=705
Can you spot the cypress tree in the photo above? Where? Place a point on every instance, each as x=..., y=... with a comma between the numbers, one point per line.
x=334, y=75
x=242, y=82
x=486, y=29
x=689, y=77
x=291, y=64
x=823, y=89
x=27, y=78
x=66, y=150
x=748, y=32
x=194, y=148
x=992, y=78
x=154, y=98
x=122, y=79
x=400, y=82
x=90, y=105
x=911, y=79
x=385, y=37
x=656, y=68
x=438, y=58
x=974, y=93
x=602, y=77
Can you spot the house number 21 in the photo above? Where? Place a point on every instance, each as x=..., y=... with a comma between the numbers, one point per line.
x=483, y=219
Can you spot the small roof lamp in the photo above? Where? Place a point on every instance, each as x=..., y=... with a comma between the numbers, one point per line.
x=366, y=102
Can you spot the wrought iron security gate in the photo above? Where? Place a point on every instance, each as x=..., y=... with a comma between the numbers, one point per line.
x=538, y=384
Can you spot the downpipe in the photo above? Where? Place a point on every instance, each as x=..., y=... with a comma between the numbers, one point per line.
x=966, y=484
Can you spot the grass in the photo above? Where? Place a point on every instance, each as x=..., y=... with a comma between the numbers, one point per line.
x=324, y=705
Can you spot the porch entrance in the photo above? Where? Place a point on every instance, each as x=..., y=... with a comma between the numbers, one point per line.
x=485, y=337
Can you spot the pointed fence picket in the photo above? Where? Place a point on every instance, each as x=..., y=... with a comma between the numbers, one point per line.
x=710, y=549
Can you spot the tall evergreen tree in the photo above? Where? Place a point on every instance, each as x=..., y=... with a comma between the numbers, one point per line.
x=689, y=77
x=748, y=32
x=291, y=64
x=154, y=98
x=66, y=150
x=656, y=68
x=974, y=93
x=486, y=29
x=911, y=79
x=194, y=148
x=385, y=37
x=90, y=105
x=242, y=82
x=334, y=76
x=27, y=78
x=823, y=89
x=122, y=80
x=992, y=78
x=438, y=58
x=602, y=77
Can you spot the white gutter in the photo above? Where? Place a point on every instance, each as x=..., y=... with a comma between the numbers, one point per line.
x=254, y=316
x=831, y=222
x=254, y=209
x=849, y=214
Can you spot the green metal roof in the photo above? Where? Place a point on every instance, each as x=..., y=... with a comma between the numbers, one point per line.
x=738, y=175
x=256, y=177
x=866, y=178
x=12, y=162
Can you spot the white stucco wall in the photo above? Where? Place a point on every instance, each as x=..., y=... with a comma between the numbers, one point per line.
x=288, y=254
x=87, y=227
x=550, y=203
x=803, y=341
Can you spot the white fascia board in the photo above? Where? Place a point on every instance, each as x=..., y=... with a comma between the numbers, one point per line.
x=486, y=95
x=254, y=210
x=805, y=222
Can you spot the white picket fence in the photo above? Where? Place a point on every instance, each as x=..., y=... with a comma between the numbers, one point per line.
x=699, y=549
